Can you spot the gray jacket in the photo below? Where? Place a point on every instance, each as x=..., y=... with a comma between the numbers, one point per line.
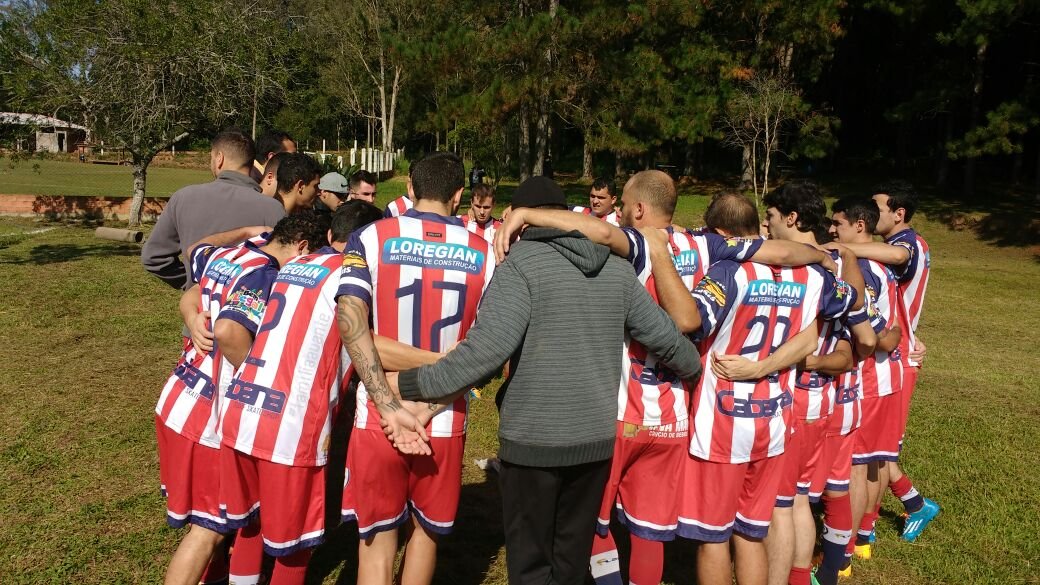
x=232, y=201
x=559, y=405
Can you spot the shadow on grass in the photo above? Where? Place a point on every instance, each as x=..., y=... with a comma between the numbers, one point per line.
x=54, y=253
x=464, y=556
x=1005, y=219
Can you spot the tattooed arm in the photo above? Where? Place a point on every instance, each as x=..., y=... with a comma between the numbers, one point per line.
x=407, y=433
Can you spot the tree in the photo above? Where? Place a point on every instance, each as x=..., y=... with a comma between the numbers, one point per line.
x=142, y=75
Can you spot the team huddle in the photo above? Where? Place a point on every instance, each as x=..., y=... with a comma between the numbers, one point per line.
x=797, y=407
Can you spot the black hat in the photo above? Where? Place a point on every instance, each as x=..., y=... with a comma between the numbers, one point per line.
x=539, y=192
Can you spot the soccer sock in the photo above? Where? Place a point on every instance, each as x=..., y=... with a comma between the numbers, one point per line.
x=837, y=532
x=907, y=494
x=217, y=569
x=866, y=527
x=605, y=565
x=647, y=564
x=800, y=576
x=292, y=569
x=248, y=556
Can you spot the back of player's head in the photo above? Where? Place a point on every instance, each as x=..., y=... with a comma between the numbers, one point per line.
x=858, y=209
x=362, y=177
x=901, y=194
x=271, y=143
x=733, y=213
x=236, y=146
x=482, y=191
x=296, y=167
x=303, y=225
x=438, y=176
x=803, y=198
x=602, y=183
x=656, y=189
x=275, y=162
x=352, y=216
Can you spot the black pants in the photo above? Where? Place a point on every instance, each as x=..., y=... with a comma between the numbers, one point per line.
x=549, y=518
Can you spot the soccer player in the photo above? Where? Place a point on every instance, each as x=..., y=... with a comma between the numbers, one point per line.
x=652, y=423
x=602, y=201
x=403, y=203
x=298, y=177
x=880, y=379
x=420, y=276
x=232, y=285
x=907, y=254
x=363, y=187
x=269, y=182
x=479, y=219
x=276, y=416
x=739, y=427
x=796, y=212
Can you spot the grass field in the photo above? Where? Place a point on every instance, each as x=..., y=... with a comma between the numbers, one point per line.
x=87, y=338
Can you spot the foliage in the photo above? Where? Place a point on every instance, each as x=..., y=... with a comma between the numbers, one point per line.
x=1002, y=134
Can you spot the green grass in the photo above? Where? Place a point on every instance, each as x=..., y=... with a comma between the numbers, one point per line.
x=87, y=338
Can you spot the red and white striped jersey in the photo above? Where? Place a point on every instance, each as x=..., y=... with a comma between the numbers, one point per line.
x=234, y=284
x=611, y=218
x=423, y=275
x=279, y=406
x=398, y=206
x=912, y=278
x=881, y=374
x=485, y=230
x=651, y=395
x=751, y=309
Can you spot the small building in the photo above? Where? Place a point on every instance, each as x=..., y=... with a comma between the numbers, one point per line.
x=39, y=133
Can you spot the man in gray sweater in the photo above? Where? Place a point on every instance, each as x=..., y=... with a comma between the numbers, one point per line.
x=231, y=201
x=559, y=404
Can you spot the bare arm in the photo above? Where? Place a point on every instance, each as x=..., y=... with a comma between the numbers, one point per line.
x=352, y=319
x=196, y=321
x=864, y=337
x=881, y=252
x=672, y=293
x=784, y=253
x=888, y=340
x=396, y=356
x=231, y=236
x=852, y=275
x=791, y=352
x=234, y=341
x=834, y=363
x=594, y=229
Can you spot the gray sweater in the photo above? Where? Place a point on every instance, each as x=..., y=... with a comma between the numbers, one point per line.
x=232, y=201
x=559, y=405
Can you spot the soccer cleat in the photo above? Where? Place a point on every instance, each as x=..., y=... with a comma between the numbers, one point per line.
x=919, y=520
x=862, y=551
x=846, y=573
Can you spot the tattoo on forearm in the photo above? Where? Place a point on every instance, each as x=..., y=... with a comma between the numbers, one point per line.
x=352, y=317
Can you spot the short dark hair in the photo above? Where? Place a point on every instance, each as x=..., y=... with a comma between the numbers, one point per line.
x=237, y=147
x=482, y=191
x=352, y=216
x=803, y=198
x=734, y=213
x=276, y=161
x=858, y=209
x=271, y=142
x=303, y=225
x=362, y=177
x=296, y=167
x=901, y=194
x=438, y=176
x=604, y=183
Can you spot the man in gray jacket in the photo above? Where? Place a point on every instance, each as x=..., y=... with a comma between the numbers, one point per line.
x=559, y=403
x=231, y=201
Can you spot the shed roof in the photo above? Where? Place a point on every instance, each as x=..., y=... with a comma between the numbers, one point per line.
x=20, y=119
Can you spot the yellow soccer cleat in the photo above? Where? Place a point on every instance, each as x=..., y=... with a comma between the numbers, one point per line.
x=846, y=573
x=862, y=551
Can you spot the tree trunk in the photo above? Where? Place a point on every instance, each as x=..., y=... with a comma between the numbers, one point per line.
x=942, y=174
x=586, y=160
x=973, y=121
x=524, y=151
x=140, y=166
x=619, y=166
x=1016, y=168
x=388, y=131
x=541, y=138
x=747, y=165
